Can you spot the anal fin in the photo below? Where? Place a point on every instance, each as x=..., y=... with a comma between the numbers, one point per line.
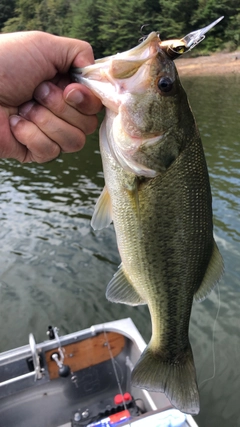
x=102, y=216
x=121, y=291
x=212, y=275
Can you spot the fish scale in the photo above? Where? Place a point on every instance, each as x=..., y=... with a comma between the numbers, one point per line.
x=157, y=193
x=166, y=254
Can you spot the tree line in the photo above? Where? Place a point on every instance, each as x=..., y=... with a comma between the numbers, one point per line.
x=115, y=25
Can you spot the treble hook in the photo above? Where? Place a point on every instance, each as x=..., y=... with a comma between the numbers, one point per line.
x=144, y=36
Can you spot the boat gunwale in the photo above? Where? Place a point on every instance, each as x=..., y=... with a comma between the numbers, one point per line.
x=125, y=327
x=118, y=326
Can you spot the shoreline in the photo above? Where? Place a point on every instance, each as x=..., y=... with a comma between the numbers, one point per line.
x=216, y=64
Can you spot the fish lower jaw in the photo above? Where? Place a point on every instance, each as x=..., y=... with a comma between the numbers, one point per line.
x=104, y=90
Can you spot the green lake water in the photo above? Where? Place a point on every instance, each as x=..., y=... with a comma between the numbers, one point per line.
x=54, y=268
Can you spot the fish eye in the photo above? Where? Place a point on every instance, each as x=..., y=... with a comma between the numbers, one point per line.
x=165, y=84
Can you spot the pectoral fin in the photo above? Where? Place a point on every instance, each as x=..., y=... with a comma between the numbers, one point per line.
x=120, y=290
x=102, y=216
x=212, y=275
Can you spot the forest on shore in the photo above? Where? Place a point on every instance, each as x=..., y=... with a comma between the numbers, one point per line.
x=115, y=25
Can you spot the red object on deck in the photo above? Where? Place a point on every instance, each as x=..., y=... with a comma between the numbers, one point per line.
x=118, y=399
x=120, y=416
x=127, y=397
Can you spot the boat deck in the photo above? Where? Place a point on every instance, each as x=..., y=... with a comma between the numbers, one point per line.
x=97, y=362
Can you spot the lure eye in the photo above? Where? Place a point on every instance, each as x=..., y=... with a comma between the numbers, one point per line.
x=165, y=84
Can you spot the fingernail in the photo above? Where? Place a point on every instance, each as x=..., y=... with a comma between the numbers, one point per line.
x=42, y=91
x=13, y=120
x=25, y=108
x=74, y=97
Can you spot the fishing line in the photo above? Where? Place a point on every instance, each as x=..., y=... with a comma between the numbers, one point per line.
x=115, y=373
x=213, y=338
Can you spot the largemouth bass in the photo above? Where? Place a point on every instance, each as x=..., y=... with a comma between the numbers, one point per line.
x=158, y=195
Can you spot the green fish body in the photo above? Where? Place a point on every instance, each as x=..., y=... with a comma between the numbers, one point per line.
x=158, y=195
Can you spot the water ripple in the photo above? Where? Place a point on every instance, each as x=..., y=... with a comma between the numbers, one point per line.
x=54, y=268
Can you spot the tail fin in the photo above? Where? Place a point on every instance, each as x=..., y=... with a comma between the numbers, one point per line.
x=176, y=380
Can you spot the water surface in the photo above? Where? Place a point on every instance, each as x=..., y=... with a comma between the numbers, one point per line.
x=54, y=268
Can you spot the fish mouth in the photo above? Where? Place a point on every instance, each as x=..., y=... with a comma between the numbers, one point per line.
x=123, y=65
x=110, y=77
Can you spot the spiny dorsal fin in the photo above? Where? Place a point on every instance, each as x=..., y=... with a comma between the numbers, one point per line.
x=120, y=290
x=212, y=275
x=102, y=216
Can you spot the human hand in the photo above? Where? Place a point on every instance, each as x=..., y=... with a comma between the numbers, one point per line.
x=41, y=112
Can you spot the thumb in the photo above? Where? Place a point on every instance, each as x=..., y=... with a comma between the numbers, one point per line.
x=69, y=52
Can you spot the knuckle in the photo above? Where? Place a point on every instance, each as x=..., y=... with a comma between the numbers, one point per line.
x=39, y=117
x=92, y=125
x=54, y=102
x=40, y=148
x=75, y=143
x=53, y=151
x=79, y=141
x=44, y=152
x=43, y=115
x=87, y=46
x=22, y=130
x=60, y=109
